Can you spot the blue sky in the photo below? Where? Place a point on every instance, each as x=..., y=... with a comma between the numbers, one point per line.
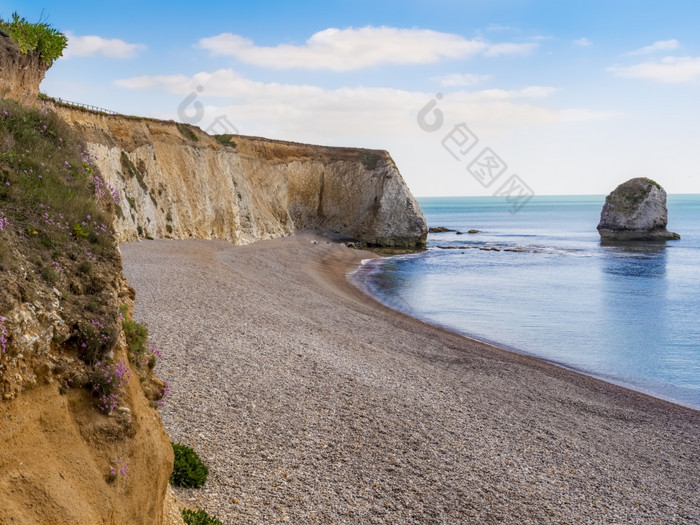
x=573, y=97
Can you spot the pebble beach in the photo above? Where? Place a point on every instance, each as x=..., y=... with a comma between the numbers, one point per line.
x=312, y=403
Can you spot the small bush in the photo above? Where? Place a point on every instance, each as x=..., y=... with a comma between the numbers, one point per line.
x=85, y=267
x=95, y=340
x=169, y=228
x=187, y=132
x=225, y=140
x=39, y=38
x=199, y=517
x=49, y=275
x=136, y=335
x=79, y=232
x=188, y=471
x=369, y=159
x=105, y=382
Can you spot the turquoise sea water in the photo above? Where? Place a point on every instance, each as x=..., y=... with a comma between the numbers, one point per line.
x=540, y=282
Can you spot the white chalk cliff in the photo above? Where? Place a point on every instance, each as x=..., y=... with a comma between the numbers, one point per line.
x=175, y=181
x=636, y=211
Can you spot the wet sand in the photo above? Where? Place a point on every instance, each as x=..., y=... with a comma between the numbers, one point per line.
x=313, y=403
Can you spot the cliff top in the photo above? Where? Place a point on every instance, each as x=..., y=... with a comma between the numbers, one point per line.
x=39, y=39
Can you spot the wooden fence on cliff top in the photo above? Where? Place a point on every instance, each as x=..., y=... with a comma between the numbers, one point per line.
x=87, y=106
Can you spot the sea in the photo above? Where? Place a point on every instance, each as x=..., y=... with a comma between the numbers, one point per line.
x=537, y=280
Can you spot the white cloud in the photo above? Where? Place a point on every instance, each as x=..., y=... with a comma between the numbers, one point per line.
x=357, y=48
x=353, y=115
x=91, y=45
x=670, y=70
x=379, y=118
x=509, y=48
x=461, y=79
x=586, y=115
x=583, y=42
x=498, y=95
x=661, y=45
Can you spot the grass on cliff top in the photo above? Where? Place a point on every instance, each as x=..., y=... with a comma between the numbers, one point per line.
x=55, y=227
x=628, y=196
x=39, y=38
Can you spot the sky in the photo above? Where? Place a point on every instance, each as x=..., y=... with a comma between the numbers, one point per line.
x=560, y=97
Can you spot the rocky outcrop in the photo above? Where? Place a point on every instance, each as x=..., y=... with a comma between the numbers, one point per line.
x=20, y=74
x=635, y=211
x=175, y=181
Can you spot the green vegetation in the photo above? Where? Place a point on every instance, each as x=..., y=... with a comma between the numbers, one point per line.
x=40, y=38
x=226, y=140
x=187, y=132
x=631, y=194
x=105, y=383
x=42, y=166
x=198, y=517
x=55, y=226
x=654, y=183
x=369, y=159
x=129, y=168
x=96, y=339
x=188, y=471
x=136, y=336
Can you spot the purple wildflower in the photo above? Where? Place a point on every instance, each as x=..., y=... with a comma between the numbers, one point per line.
x=165, y=393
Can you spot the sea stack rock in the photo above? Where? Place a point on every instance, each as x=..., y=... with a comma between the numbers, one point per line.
x=636, y=211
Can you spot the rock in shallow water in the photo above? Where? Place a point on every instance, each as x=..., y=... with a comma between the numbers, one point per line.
x=636, y=211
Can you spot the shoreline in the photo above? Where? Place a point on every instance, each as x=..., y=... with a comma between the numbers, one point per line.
x=628, y=385
x=313, y=402
x=495, y=345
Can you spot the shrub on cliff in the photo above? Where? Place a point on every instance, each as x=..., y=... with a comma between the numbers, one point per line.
x=40, y=38
x=199, y=517
x=188, y=470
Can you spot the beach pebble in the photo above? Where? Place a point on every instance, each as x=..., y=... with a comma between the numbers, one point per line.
x=311, y=403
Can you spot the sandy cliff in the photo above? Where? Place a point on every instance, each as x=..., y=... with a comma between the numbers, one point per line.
x=57, y=451
x=20, y=74
x=176, y=181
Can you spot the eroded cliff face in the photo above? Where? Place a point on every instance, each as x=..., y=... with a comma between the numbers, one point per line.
x=65, y=420
x=20, y=74
x=57, y=450
x=176, y=181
